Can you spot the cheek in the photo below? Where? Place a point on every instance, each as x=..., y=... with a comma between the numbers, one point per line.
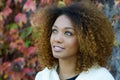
x=72, y=48
x=73, y=44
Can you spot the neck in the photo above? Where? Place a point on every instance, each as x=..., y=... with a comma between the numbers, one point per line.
x=67, y=68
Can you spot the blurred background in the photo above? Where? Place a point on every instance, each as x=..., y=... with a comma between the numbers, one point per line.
x=18, y=56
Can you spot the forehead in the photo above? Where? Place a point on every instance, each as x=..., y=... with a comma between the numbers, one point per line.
x=63, y=21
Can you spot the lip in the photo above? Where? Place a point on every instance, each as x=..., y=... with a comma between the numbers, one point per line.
x=58, y=48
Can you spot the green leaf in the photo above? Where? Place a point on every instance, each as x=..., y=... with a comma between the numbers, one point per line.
x=22, y=35
x=26, y=32
x=12, y=25
x=27, y=43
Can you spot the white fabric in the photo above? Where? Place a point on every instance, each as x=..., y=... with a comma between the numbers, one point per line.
x=94, y=73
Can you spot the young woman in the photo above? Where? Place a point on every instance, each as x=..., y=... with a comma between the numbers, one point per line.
x=74, y=43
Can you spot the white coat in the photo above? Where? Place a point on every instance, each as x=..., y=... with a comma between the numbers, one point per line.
x=94, y=73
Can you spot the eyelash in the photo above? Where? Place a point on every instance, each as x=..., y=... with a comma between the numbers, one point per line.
x=68, y=33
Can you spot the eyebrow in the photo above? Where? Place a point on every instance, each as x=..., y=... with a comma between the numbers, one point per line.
x=65, y=27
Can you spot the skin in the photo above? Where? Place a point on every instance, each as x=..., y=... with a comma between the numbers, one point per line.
x=64, y=46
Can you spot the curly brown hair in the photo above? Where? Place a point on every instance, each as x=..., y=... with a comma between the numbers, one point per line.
x=94, y=33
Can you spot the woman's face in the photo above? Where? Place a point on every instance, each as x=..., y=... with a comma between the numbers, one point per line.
x=63, y=39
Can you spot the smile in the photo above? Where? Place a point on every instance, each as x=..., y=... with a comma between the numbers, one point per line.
x=58, y=48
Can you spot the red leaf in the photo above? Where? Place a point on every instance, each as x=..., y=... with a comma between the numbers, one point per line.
x=7, y=11
x=13, y=45
x=27, y=70
x=31, y=50
x=8, y=2
x=20, y=17
x=6, y=66
x=20, y=59
x=29, y=5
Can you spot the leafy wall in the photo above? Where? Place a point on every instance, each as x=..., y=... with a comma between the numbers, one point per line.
x=18, y=60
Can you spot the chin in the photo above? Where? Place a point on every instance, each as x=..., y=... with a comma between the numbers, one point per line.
x=57, y=56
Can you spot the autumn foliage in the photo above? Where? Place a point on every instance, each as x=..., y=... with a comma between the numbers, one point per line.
x=18, y=58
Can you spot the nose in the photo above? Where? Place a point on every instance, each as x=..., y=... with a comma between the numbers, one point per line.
x=58, y=38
